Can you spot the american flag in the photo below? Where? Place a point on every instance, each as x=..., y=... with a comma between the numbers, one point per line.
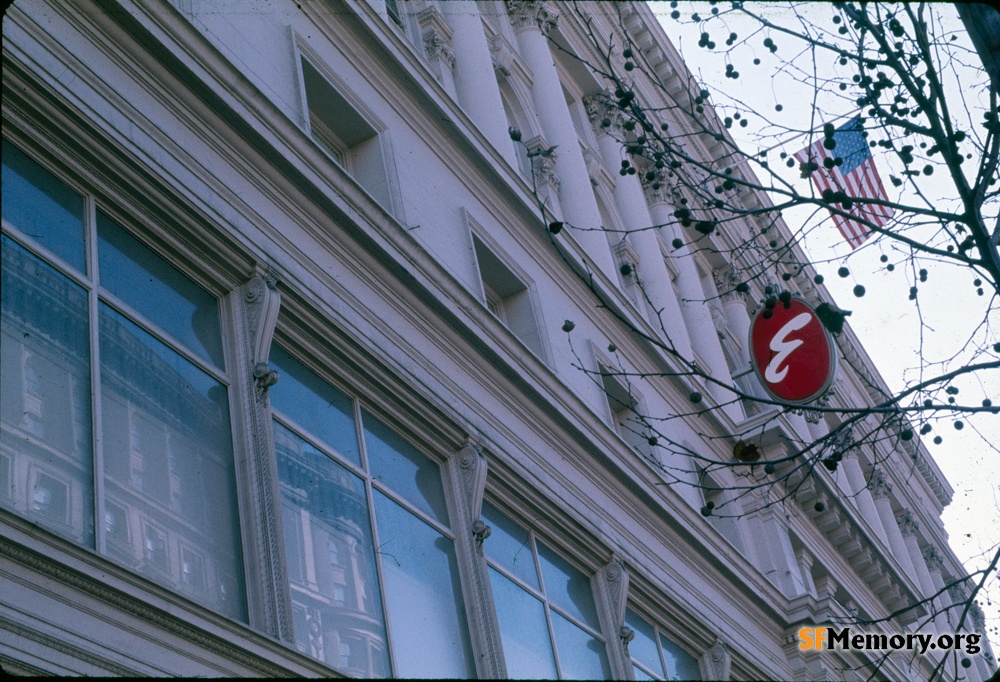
x=856, y=177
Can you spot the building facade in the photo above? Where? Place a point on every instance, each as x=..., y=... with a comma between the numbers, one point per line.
x=296, y=379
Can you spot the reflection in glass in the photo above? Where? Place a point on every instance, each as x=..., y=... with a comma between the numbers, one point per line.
x=45, y=415
x=148, y=283
x=641, y=674
x=680, y=664
x=423, y=596
x=567, y=587
x=405, y=470
x=331, y=560
x=523, y=631
x=169, y=462
x=643, y=646
x=42, y=206
x=581, y=655
x=315, y=405
x=647, y=646
x=509, y=545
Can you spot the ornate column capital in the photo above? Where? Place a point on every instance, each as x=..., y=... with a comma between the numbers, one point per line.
x=658, y=191
x=908, y=525
x=958, y=594
x=933, y=559
x=436, y=47
x=879, y=486
x=605, y=117
x=532, y=13
x=726, y=280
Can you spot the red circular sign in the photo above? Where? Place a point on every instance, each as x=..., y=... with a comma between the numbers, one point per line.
x=792, y=353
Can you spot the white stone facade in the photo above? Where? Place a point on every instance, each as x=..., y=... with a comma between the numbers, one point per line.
x=361, y=453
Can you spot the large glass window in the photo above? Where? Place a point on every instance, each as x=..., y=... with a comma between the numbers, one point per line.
x=371, y=560
x=655, y=656
x=548, y=621
x=138, y=343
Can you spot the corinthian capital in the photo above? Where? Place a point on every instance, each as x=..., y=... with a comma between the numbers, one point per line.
x=908, y=525
x=528, y=13
x=879, y=486
x=605, y=117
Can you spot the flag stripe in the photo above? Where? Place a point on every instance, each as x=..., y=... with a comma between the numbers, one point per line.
x=861, y=184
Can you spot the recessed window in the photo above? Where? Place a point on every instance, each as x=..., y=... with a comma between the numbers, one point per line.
x=725, y=511
x=625, y=407
x=392, y=10
x=346, y=135
x=508, y=297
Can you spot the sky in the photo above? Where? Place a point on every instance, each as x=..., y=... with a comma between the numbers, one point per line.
x=887, y=324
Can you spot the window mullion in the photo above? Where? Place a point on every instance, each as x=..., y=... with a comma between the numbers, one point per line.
x=376, y=542
x=552, y=638
x=96, y=414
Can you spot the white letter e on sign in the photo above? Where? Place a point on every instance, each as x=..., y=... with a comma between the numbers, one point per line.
x=784, y=348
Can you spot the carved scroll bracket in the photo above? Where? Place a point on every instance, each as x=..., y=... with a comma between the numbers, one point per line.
x=262, y=302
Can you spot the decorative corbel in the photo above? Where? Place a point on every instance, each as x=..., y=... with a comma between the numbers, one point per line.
x=263, y=302
x=717, y=661
x=465, y=478
x=611, y=592
x=543, y=165
x=501, y=55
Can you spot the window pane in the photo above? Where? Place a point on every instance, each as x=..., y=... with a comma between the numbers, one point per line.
x=404, y=469
x=680, y=664
x=567, y=587
x=168, y=461
x=581, y=656
x=525, y=636
x=133, y=273
x=331, y=559
x=641, y=674
x=45, y=415
x=426, y=613
x=314, y=404
x=42, y=206
x=643, y=646
x=509, y=546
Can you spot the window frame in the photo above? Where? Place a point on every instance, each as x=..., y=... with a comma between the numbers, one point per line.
x=403, y=420
x=166, y=237
x=505, y=506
